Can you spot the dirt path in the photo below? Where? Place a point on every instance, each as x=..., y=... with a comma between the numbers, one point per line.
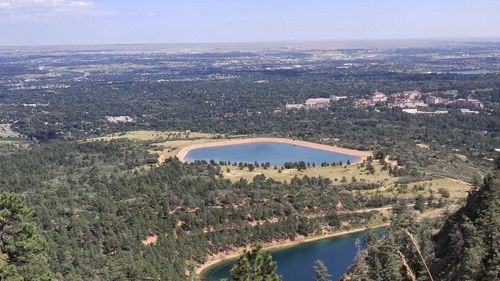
x=393, y=163
x=381, y=209
x=386, y=185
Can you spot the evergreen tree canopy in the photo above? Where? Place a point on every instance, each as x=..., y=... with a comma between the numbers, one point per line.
x=321, y=271
x=255, y=265
x=23, y=249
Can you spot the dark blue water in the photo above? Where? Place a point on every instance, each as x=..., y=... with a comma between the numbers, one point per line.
x=275, y=153
x=296, y=263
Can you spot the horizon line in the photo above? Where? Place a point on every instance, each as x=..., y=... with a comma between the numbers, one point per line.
x=307, y=41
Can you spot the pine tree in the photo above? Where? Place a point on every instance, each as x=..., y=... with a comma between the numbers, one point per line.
x=420, y=203
x=321, y=271
x=488, y=226
x=255, y=265
x=23, y=250
x=391, y=261
x=473, y=252
x=370, y=168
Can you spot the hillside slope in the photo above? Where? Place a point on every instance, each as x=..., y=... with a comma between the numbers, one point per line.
x=466, y=246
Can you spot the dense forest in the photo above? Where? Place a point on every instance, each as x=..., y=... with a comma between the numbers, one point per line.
x=95, y=203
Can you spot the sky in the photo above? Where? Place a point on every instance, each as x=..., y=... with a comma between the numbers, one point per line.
x=63, y=22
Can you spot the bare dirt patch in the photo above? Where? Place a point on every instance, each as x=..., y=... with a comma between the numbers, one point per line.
x=151, y=239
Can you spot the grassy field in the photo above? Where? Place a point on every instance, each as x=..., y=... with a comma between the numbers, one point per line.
x=6, y=134
x=334, y=173
x=154, y=135
x=457, y=189
x=10, y=140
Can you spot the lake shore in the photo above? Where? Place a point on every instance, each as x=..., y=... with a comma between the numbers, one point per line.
x=183, y=152
x=214, y=260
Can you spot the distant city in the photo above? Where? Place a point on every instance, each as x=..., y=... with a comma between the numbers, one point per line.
x=409, y=100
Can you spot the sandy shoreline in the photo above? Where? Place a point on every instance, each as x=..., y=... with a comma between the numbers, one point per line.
x=232, y=254
x=183, y=152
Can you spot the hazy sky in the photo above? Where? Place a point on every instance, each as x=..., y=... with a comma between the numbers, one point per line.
x=47, y=22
